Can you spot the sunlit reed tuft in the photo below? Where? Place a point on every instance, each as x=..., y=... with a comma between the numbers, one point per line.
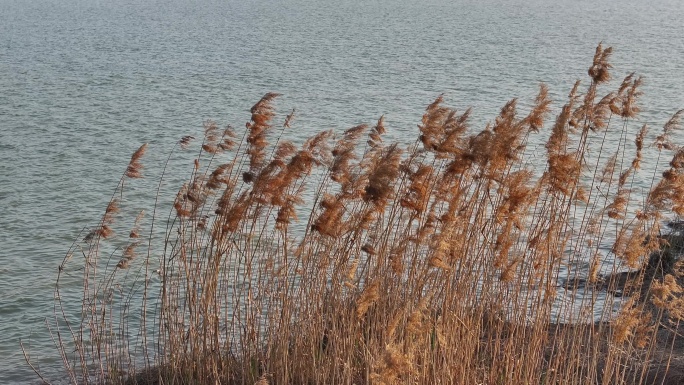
x=526, y=252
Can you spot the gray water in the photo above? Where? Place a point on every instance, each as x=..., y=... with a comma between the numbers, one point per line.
x=84, y=83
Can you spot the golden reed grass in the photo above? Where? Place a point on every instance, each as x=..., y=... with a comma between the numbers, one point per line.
x=346, y=260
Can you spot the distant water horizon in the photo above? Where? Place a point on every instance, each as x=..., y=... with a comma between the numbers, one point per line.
x=84, y=83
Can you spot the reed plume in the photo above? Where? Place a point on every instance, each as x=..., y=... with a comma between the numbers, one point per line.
x=134, y=169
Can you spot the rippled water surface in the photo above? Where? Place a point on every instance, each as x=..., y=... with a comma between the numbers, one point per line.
x=84, y=83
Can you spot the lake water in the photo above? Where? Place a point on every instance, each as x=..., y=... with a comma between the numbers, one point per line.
x=84, y=83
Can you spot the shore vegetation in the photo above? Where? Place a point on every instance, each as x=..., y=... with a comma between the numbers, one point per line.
x=465, y=257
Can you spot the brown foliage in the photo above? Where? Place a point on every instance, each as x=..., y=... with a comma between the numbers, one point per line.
x=446, y=261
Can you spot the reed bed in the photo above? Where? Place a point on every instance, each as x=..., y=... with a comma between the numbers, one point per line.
x=348, y=260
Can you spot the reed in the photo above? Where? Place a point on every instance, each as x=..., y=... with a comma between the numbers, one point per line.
x=349, y=260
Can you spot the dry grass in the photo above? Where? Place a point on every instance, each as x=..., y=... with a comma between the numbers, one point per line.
x=346, y=260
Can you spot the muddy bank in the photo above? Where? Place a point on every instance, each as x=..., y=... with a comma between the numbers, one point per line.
x=665, y=365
